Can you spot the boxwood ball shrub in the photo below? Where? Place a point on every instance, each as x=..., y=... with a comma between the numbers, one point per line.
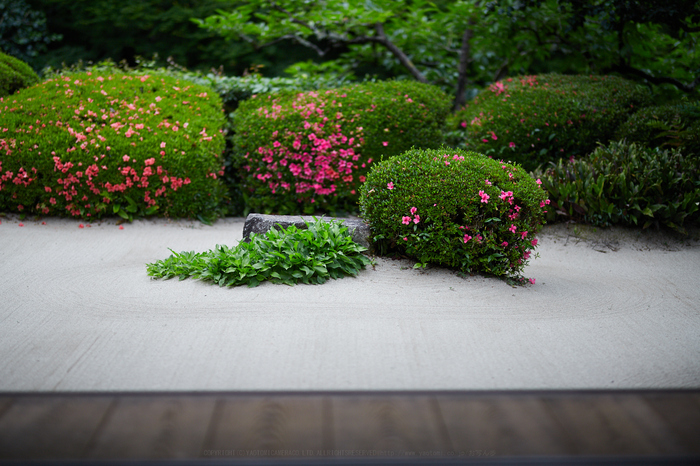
x=673, y=125
x=310, y=151
x=454, y=208
x=628, y=184
x=88, y=145
x=15, y=75
x=537, y=119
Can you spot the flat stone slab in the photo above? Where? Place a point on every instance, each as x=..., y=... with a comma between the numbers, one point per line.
x=261, y=223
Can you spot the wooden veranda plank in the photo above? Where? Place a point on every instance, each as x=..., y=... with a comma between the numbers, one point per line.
x=153, y=427
x=50, y=427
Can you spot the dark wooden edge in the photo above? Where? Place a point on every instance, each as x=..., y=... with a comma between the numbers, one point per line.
x=500, y=461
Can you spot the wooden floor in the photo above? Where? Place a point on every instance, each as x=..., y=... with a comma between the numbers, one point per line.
x=351, y=426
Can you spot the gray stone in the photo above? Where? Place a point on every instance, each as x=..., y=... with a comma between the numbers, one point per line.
x=261, y=223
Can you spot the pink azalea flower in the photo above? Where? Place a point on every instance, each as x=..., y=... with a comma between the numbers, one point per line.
x=504, y=244
x=162, y=145
x=406, y=220
x=539, y=181
x=405, y=239
x=484, y=197
x=467, y=238
x=523, y=233
x=417, y=219
x=532, y=281
x=413, y=210
x=390, y=185
x=487, y=182
x=511, y=145
x=126, y=158
x=534, y=242
x=513, y=228
x=385, y=143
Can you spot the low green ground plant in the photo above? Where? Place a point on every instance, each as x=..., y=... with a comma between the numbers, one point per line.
x=313, y=255
x=454, y=208
x=674, y=125
x=627, y=184
x=309, y=152
x=15, y=75
x=533, y=120
x=91, y=144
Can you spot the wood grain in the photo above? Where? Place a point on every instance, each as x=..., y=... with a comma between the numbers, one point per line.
x=42, y=428
x=378, y=425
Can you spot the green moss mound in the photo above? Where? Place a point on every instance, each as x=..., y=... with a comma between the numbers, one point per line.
x=674, y=125
x=309, y=152
x=533, y=120
x=628, y=184
x=89, y=145
x=454, y=208
x=15, y=75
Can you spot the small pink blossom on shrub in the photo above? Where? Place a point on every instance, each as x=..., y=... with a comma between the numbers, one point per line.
x=467, y=238
x=511, y=144
x=389, y=185
x=534, y=242
x=513, y=228
x=406, y=220
x=416, y=219
x=413, y=210
x=484, y=197
x=385, y=143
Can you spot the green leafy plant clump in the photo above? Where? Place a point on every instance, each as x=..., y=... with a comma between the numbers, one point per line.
x=454, y=208
x=313, y=255
x=533, y=120
x=15, y=75
x=91, y=144
x=629, y=184
x=673, y=125
x=309, y=152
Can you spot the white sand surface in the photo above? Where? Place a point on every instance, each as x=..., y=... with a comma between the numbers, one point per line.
x=609, y=309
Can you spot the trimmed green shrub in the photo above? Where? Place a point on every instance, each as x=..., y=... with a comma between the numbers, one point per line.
x=454, y=208
x=533, y=120
x=89, y=145
x=308, y=152
x=625, y=183
x=15, y=75
x=675, y=125
x=324, y=250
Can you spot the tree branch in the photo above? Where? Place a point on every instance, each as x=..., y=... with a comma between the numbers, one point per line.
x=464, y=59
x=688, y=88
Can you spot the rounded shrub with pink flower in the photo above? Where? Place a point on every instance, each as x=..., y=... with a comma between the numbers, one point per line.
x=310, y=152
x=456, y=209
x=93, y=144
x=533, y=120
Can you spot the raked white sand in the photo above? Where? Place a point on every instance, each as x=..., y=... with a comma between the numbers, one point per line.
x=78, y=312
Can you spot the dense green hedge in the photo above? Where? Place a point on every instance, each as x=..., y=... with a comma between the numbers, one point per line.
x=629, y=184
x=537, y=119
x=674, y=125
x=307, y=152
x=15, y=75
x=454, y=208
x=89, y=145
